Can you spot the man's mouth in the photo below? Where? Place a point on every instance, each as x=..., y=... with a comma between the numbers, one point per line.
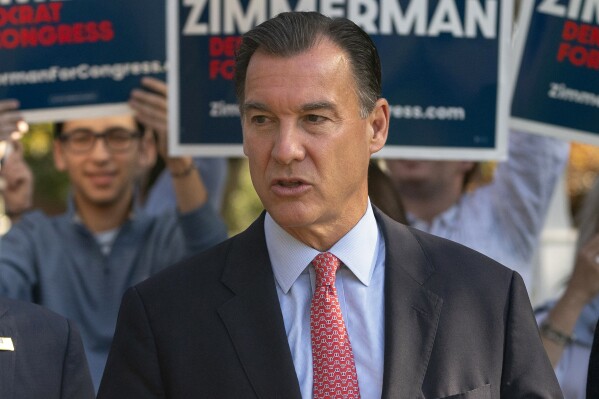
x=292, y=183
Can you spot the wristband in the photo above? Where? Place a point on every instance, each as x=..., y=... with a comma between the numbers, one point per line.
x=554, y=335
x=185, y=172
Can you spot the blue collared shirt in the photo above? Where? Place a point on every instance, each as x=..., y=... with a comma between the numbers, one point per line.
x=360, y=285
x=58, y=263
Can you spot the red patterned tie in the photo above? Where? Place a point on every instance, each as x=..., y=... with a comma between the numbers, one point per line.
x=332, y=358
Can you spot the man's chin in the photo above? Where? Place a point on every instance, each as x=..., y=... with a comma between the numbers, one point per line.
x=101, y=199
x=291, y=216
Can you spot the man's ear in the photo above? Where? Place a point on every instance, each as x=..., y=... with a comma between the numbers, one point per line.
x=245, y=152
x=379, y=125
x=58, y=153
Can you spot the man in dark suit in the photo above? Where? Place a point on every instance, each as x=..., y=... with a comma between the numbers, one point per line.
x=41, y=355
x=593, y=374
x=324, y=296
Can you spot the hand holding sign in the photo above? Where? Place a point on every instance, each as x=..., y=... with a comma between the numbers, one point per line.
x=18, y=189
x=10, y=118
x=150, y=108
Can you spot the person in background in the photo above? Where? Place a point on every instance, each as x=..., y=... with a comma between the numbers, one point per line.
x=80, y=263
x=324, y=296
x=503, y=219
x=41, y=355
x=567, y=324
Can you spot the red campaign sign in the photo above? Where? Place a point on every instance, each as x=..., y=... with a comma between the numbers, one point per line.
x=222, y=56
x=41, y=25
x=577, y=38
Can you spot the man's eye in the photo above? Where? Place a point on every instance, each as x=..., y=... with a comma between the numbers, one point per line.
x=81, y=137
x=259, y=119
x=315, y=118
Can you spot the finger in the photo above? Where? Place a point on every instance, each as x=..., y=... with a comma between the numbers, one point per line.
x=155, y=123
x=155, y=85
x=151, y=122
x=148, y=112
x=151, y=99
x=11, y=118
x=9, y=105
x=6, y=130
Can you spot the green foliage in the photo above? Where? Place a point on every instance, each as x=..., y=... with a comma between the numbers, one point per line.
x=241, y=204
x=51, y=186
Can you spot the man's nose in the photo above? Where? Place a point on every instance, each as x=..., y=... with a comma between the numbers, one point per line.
x=288, y=146
x=100, y=150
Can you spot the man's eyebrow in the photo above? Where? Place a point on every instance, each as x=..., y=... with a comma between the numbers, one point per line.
x=313, y=106
x=254, y=106
x=319, y=105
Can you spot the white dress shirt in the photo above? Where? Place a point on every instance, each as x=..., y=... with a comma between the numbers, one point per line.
x=360, y=283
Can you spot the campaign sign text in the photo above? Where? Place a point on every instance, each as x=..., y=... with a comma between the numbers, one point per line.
x=443, y=71
x=557, y=87
x=60, y=58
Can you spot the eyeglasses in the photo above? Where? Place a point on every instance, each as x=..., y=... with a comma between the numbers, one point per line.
x=117, y=139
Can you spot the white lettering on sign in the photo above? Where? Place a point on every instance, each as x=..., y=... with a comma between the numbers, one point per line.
x=583, y=10
x=383, y=17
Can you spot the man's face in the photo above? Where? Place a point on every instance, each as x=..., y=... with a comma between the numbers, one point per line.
x=308, y=147
x=427, y=178
x=101, y=176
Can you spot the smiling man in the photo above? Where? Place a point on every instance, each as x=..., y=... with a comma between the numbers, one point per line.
x=323, y=296
x=80, y=263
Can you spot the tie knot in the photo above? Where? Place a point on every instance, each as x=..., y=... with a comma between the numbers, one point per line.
x=326, y=265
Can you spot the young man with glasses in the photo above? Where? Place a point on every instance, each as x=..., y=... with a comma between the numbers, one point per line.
x=80, y=263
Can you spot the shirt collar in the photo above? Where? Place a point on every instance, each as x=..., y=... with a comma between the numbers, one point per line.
x=290, y=257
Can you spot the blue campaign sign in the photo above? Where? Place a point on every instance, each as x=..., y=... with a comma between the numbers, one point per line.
x=557, y=87
x=444, y=71
x=61, y=58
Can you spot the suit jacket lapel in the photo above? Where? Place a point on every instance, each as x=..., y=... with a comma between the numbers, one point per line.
x=7, y=358
x=411, y=312
x=253, y=317
x=254, y=321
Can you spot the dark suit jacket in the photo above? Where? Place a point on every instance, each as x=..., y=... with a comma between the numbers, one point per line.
x=457, y=325
x=593, y=376
x=48, y=361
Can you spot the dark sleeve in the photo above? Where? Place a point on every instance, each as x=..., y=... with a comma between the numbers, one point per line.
x=593, y=376
x=76, y=379
x=18, y=269
x=132, y=370
x=527, y=372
